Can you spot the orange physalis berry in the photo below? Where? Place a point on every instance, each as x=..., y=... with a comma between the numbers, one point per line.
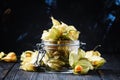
x=78, y=68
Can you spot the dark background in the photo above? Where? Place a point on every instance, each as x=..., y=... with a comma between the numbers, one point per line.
x=22, y=22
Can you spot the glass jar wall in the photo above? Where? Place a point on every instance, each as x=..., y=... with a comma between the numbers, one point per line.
x=57, y=53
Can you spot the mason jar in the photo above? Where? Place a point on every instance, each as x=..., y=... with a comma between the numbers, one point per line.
x=56, y=56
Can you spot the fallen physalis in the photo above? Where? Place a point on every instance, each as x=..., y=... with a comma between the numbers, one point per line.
x=2, y=54
x=83, y=62
x=10, y=57
x=28, y=59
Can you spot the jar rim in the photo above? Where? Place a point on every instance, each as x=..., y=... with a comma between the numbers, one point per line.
x=63, y=43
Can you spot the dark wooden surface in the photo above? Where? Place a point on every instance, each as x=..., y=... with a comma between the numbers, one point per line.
x=110, y=71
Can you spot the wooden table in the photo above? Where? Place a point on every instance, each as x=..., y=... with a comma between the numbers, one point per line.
x=110, y=71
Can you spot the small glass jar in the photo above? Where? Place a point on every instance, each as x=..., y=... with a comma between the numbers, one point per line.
x=57, y=53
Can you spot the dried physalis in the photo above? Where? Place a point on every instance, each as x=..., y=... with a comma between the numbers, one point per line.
x=95, y=58
x=28, y=59
x=28, y=67
x=10, y=57
x=2, y=54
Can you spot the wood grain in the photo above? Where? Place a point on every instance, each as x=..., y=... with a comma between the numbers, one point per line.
x=17, y=74
x=5, y=68
x=108, y=75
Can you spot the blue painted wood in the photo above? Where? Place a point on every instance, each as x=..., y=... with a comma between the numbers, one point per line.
x=4, y=69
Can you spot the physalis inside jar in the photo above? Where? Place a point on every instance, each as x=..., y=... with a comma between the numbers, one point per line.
x=57, y=53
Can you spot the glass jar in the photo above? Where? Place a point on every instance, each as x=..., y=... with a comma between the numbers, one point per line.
x=57, y=53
